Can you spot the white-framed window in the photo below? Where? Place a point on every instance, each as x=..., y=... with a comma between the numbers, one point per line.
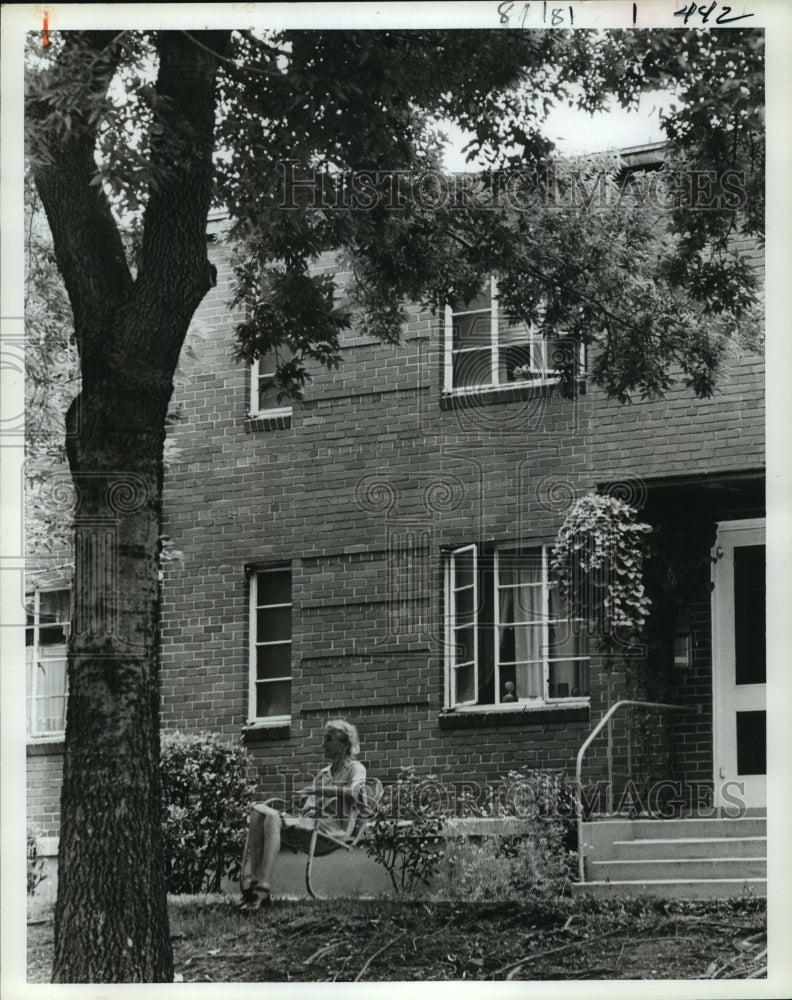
x=509, y=636
x=483, y=348
x=270, y=645
x=263, y=390
x=47, y=630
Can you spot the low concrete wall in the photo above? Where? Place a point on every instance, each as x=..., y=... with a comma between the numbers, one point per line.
x=340, y=874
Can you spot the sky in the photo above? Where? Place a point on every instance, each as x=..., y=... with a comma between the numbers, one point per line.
x=575, y=131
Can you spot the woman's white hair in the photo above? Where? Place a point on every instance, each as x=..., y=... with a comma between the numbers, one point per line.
x=349, y=732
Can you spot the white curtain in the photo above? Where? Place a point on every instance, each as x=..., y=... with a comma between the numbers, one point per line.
x=519, y=605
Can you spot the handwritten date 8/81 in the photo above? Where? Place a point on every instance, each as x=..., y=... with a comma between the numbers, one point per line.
x=530, y=15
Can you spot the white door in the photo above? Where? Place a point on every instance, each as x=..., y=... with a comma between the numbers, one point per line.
x=738, y=662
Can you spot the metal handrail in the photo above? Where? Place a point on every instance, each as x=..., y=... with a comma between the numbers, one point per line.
x=589, y=740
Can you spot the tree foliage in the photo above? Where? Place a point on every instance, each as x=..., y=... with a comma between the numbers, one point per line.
x=51, y=383
x=656, y=288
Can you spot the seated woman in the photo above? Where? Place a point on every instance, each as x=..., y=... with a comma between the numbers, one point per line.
x=329, y=800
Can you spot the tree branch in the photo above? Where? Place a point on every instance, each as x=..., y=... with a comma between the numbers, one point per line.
x=175, y=273
x=87, y=244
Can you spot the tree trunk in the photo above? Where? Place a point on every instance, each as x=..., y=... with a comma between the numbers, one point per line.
x=111, y=920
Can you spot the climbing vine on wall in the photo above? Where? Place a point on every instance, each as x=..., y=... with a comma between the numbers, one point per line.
x=598, y=559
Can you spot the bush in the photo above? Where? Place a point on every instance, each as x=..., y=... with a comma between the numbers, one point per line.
x=532, y=866
x=35, y=864
x=406, y=840
x=207, y=793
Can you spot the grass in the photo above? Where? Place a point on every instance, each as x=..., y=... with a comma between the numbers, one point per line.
x=391, y=940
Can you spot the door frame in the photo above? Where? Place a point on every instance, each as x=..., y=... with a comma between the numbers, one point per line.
x=719, y=636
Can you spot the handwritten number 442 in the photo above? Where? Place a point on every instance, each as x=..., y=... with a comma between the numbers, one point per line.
x=705, y=12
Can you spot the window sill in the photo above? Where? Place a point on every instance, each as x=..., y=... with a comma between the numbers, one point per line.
x=274, y=420
x=461, y=399
x=42, y=746
x=486, y=716
x=265, y=732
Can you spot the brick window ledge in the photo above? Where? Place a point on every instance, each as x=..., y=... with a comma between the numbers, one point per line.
x=276, y=422
x=485, y=396
x=513, y=717
x=44, y=748
x=253, y=734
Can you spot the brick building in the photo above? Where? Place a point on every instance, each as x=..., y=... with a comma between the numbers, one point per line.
x=334, y=549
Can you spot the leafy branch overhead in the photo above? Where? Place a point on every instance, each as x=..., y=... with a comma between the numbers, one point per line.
x=656, y=285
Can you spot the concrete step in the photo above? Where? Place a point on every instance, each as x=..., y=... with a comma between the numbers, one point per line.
x=691, y=847
x=726, y=888
x=684, y=869
x=600, y=838
x=630, y=829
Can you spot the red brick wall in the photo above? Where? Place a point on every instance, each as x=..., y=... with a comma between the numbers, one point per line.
x=44, y=773
x=371, y=458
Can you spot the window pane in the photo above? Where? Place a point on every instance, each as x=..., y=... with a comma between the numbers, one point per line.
x=29, y=667
x=472, y=329
x=274, y=587
x=51, y=714
x=472, y=368
x=273, y=624
x=463, y=639
x=54, y=606
x=516, y=566
x=268, y=393
x=512, y=333
x=507, y=677
x=521, y=642
x=464, y=606
x=530, y=680
x=50, y=703
x=464, y=683
x=559, y=351
x=52, y=671
x=749, y=614
x=463, y=568
x=751, y=742
x=273, y=661
x=482, y=301
x=569, y=679
x=520, y=604
x=52, y=635
x=516, y=364
x=273, y=698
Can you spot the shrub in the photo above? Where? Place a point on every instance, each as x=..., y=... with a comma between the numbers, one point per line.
x=405, y=839
x=35, y=864
x=206, y=791
x=537, y=864
x=549, y=795
x=532, y=866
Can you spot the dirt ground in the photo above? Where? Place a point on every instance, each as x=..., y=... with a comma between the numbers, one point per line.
x=371, y=941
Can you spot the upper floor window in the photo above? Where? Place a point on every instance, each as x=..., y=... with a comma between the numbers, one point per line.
x=263, y=389
x=484, y=348
x=270, y=645
x=509, y=637
x=45, y=660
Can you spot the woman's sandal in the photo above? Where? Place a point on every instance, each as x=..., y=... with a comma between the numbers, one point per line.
x=254, y=898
